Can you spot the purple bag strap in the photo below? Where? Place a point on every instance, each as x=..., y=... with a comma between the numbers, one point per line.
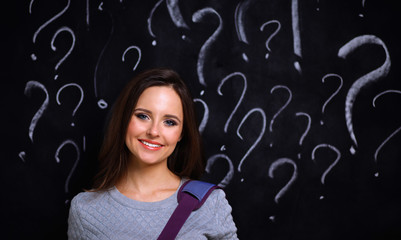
x=191, y=196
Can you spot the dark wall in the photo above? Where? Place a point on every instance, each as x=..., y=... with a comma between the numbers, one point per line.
x=298, y=102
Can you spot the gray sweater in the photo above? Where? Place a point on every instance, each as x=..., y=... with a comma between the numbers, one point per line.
x=111, y=215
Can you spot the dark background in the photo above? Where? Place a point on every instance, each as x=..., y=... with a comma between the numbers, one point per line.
x=288, y=177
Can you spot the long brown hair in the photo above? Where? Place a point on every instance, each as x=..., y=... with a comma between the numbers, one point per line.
x=186, y=159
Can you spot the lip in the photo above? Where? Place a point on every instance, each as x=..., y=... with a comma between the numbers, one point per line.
x=151, y=142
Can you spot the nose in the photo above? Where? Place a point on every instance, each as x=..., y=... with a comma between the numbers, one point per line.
x=153, y=129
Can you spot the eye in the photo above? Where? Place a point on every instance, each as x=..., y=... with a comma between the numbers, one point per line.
x=170, y=122
x=141, y=116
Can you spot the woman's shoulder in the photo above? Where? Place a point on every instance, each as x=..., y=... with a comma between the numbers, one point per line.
x=87, y=198
x=216, y=200
x=217, y=196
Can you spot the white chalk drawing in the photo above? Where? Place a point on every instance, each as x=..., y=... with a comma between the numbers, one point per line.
x=150, y=18
x=363, y=5
x=324, y=145
x=272, y=35
x=205, y=117
x=296, y=34
x=330, y=75
x=139, y=55
x=30, y=6
x=373, y=76
x=35, y=35
x=283, y=107
x=87, y=14
x=63, y=29
x=230, y=173
x=240, y=99
x=56, y=156
x=262, y=131
x=301, y=139
x=175, y=14
x=239, y=16
x=22, y=156
x=392, y=134
x=101, y=102
x=307, y=126
x=80, y=99
x=294, y=176
x=239, y=20
x=28, y=89
x=197, y=17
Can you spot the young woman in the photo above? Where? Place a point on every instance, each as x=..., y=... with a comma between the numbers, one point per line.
x=151, y=147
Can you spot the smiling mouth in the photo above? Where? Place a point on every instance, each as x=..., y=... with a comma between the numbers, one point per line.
x=148, y=144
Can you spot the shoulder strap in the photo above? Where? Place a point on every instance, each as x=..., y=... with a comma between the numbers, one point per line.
x=191, y=196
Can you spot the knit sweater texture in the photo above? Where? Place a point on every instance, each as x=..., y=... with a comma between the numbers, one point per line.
x=112, y=215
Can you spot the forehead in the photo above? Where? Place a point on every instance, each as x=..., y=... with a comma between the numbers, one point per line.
x=166, y=92
x=160, y=98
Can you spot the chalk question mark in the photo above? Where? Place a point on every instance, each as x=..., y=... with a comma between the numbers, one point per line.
x=241, y=97
x=56, y=156
x=274, y=166
x=87, y=14
x=239, y=20
x=62, y=29
x=282, y=108
x=239, y=24
x=80, y=100
x=100, y=7
x=30, y=6
x=150, y=21
x=197, y=17
x=306, y=130
x=35, y=35
x=375, y=75
x=334, y=93
x=296, y=34
x=323, y=145
x=392, y=134
x=363, y=5
x=139, y=55
x=272, y=35
x=227, y=179
x=28, y=88
x=101, y=102
x=175, y=14
x=262, y=131
x=205, y=117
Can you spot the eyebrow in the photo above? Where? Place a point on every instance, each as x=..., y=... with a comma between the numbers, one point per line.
x=150, y=112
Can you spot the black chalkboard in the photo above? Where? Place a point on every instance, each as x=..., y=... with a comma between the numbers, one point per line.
x=298, y=103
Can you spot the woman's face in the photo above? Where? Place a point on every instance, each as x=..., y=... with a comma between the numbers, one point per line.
x=155, y=126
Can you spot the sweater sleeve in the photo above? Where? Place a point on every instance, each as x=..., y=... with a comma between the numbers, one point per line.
x=75, y=226
x=225, y=226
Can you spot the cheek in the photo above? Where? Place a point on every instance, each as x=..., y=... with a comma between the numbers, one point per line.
x=130, y=129
x=177, y=135
x=134, y=128
x=172, y=136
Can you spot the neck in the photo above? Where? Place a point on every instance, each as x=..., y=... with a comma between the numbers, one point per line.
x=149, y=183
